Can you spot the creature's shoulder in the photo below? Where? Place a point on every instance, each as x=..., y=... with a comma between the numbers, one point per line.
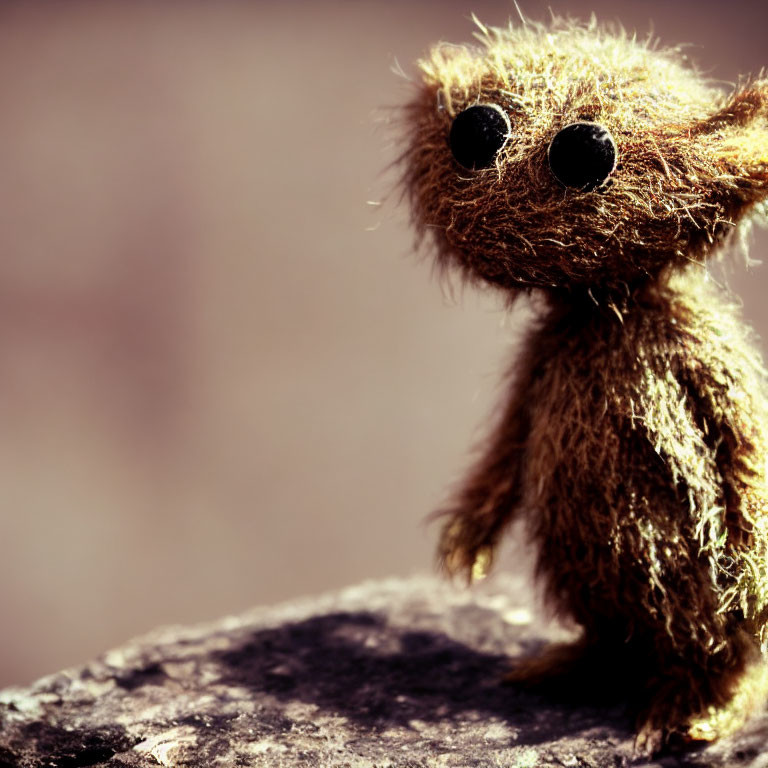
x=710, y=341
x=699, y=374
x=653, y=361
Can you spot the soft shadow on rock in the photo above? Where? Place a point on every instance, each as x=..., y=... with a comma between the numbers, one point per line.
x=379, y=676
x=69, y=747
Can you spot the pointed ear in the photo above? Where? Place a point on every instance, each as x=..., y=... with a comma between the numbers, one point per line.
x=737, y=134
x=746, y=104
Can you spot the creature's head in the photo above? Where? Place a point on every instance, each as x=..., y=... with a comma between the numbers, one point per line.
x=569, y=156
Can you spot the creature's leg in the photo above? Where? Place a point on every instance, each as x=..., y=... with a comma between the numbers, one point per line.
x=557, y=666
x=701, y=699
x=595, y=664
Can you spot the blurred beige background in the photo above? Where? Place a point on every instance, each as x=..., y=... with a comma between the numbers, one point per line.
x=224, y=377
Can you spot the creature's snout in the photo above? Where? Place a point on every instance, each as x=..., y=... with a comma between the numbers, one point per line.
x=582, y=155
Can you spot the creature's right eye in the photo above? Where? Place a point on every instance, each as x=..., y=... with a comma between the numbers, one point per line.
x=477, y=134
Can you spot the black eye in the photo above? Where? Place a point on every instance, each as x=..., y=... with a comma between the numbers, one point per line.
x=582, y=155
x=477, y=134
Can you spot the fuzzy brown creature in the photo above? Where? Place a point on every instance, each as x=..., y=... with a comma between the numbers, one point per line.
x=602, y=174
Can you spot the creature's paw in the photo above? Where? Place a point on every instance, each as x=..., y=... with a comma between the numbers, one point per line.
x=466, y=547
x=649, y=740
x=665, y=721
x=749, y=696
x=678, y=716
x=653, y=737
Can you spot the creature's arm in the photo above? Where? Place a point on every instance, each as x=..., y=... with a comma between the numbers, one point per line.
x=723, y=383
x=487, y=500
x=729, y=408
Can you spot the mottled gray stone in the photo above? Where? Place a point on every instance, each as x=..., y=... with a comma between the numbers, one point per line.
x=394, y=674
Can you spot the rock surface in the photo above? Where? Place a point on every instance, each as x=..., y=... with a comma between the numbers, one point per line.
x=391, y=674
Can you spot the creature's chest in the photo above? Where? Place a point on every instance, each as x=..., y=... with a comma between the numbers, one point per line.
x=582, y=386
x=604, y=415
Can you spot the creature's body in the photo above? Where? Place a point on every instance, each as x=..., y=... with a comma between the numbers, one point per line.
x=635, y=435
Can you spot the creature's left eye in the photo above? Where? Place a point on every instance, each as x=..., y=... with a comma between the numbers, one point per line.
x=477, y=134
x=582, y=155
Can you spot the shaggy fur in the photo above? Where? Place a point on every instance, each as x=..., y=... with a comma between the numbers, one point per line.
x=634, y=435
